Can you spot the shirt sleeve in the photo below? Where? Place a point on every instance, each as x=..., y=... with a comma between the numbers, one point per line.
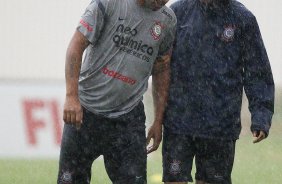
x=92, y=21
x=258, y=79
x=168, y=40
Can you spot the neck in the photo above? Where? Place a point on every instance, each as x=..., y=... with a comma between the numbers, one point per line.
x=140, y=2
x=146, y=5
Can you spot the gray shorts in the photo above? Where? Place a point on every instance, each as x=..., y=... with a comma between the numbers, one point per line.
x=213, y=158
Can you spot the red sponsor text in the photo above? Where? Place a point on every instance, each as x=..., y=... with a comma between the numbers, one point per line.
x=86, y=25
x=118, y=76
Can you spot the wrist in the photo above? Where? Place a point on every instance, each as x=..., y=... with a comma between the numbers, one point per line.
x=72, y=95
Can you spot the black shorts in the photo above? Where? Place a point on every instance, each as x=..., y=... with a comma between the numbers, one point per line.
x=122, y=142
x=213, y=158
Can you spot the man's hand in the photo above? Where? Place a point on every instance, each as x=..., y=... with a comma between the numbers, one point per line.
x=73, y=111
x=259, y=136
x=155, y=133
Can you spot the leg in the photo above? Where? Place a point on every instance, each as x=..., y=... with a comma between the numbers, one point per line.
x=126, y=162
x=77, y=154
x=125, y=155
x=214, y=161
x=200, y=182
x=178, y=153
x=74, y=165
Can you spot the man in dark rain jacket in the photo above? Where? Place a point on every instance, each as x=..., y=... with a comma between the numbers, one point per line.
x=218, y=52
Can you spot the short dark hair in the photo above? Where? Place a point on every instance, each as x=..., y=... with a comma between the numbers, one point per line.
x=224, y=2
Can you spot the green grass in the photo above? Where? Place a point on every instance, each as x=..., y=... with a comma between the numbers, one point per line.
x=254, y=163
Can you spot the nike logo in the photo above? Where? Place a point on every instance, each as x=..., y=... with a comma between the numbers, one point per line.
x=120, y=18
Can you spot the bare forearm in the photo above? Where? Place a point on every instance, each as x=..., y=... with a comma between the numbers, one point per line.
x=160, y=85
x=72, y=70
x=73, y=62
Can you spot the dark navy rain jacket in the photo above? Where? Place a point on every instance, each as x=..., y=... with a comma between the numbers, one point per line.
x=218, y=52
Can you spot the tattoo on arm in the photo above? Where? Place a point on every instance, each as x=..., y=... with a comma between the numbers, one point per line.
x=74, y=54
x=161, y=64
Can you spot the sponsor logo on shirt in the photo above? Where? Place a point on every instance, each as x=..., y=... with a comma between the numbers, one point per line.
x=124, y=39
x=228, y=33
x=156, y=30
x=86, y=25
x=118, y=76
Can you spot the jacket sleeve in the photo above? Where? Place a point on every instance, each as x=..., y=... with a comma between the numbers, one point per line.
x=258, y=79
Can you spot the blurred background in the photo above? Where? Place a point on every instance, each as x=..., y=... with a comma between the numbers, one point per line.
x=33, y=39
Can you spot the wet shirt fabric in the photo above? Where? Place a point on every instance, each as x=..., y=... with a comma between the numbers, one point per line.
x=218, y=53
x=125, y=41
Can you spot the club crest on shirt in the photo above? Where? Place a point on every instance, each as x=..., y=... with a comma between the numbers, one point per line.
x=228, y=33
x=156, y=30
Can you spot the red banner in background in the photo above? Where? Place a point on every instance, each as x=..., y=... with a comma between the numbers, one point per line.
x=35, y=124
x=31, y=119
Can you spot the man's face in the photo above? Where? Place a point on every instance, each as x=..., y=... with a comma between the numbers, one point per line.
x=154, y=4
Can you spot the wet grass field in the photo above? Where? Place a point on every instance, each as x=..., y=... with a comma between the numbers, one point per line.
x=254, y=163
